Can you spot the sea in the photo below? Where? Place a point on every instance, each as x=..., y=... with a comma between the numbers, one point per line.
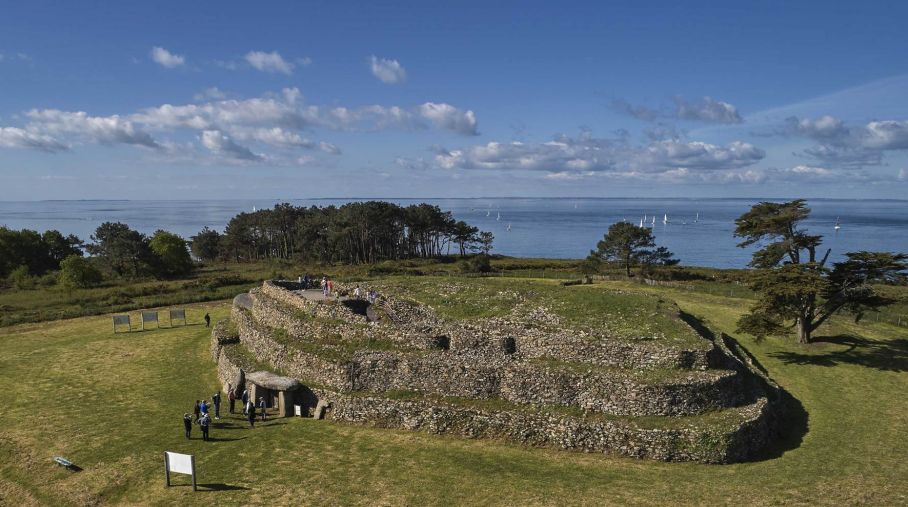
x=699, y=231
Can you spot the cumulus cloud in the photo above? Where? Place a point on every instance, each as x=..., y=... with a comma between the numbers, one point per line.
x=221, y=144
x=847, y=146
x=269, y=62
x=95, y=129
x=706, y=109
x=266, y=129
x=13, y=137
x=448, y=117
x=165, y=58
x=569, y=157
x=386, y=70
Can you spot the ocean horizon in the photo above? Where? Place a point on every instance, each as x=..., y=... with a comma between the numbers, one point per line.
x=698, y=230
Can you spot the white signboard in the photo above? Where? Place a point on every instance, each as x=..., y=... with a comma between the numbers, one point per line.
x=181, y=464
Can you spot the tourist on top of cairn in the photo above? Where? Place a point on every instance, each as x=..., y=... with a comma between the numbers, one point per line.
x=357, y=293
x=372, y=296
x=325, y=287
x=197, y=410
x=231, y=397
x=187, y=425
x=306, y=281
x=263, y=407
x=205, y=423
x=216, y=399
x=330, y=285
x=250, y=413
x=207, y=320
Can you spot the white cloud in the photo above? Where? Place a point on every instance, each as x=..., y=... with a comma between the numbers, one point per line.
x=165, y=58
x=219, y=143
x=386, y=70
x=449, y=117
x=12, y=137
x=269, y=62
x=845, y=146
x=570, y=158
x=96, y=129
x=706, y=109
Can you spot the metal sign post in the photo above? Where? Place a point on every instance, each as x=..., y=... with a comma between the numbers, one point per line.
x=150, y=317
x=179, y=464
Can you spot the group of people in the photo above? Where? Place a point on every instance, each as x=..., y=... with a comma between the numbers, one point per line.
x=201, y=412
x=327, y=286
x=371, y=295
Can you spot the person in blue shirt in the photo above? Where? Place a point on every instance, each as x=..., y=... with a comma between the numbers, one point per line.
x=203, y=407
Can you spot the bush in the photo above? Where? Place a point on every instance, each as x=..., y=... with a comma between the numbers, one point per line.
x=173, y=257
x=476, y=264
x=21, y=279
x=77, y=272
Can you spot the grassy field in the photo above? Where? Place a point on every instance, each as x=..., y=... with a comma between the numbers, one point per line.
x=113, y=404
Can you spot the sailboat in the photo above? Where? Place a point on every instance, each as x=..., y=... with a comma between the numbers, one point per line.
x=499, y=216
x=641, y=222
x=488, y=212
x=665, y=219
x=837, y=226
x=698, y=217
x=653, y=224
x=509, y=227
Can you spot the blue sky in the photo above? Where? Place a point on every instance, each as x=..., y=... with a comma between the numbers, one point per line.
x=398, y=99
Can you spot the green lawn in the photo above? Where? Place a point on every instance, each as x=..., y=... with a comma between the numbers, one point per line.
x=113, y=404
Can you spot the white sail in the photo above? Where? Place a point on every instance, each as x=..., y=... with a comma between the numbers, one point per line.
x=641, y=222
x=665, y=219
x=499, y=217
x=837, y=226
x=698, y=217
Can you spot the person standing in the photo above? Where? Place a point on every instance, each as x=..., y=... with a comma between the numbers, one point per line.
x=245, y=399
x=197, y=410
x=306, y=281
x=263, y=407
x=207, y=320
x=204, y=423
x=231, y=397
x=187, y=425
x=216, y=399
x=204, y=407
x=250, y=413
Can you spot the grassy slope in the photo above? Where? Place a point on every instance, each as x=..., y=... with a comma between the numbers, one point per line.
x=112, y=404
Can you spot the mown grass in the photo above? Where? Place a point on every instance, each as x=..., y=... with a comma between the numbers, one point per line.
x=112, y=404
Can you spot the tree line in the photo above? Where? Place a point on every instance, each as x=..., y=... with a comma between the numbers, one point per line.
x=355, y=233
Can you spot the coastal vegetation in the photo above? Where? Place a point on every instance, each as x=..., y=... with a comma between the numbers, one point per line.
x=795, y=287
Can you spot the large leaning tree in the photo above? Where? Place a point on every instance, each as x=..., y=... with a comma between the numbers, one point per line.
x=795, y=288
x=630, y=245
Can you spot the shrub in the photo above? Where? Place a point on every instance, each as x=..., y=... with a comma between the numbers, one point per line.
x=77, y=272
x=21, y=279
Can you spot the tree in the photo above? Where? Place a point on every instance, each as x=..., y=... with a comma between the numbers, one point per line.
x=173, y=257
x=77, y=272
x=485, y=242
x=794, y=287
x=124, y=251
x=630, y=245
x=206, y=245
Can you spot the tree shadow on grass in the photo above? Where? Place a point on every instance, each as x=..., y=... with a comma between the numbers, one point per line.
x=891, y=355
x=220, y=486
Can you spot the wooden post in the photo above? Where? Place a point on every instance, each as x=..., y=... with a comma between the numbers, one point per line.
x=192, y=460
x=167, y=470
